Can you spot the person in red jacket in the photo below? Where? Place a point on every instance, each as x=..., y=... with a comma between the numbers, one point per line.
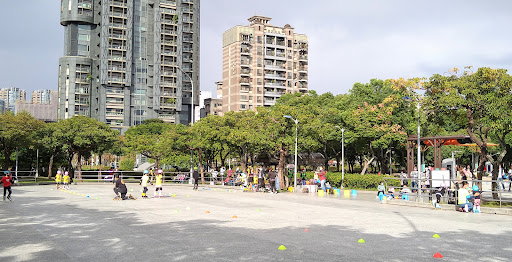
x=6, y=181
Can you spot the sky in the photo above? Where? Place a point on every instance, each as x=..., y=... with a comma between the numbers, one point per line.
x=349, y=41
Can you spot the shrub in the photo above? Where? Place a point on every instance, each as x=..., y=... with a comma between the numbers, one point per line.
x=127, y=164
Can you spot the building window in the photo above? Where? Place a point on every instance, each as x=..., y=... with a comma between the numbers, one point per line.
x=260, y=40
x=242, y=106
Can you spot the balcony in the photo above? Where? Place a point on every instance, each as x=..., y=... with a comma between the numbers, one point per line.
x=245, y=81
x=166, y=42
x=118, y=4
x=168, y=63
x=187, y=39
x=168, y=32
x=303, y=69
x=275, y=76
x=274, y=84
x=82, y=102
x=275, y=67
x=118, y=14
x=115, y=80
x=188, y=30
x=269, y=102
x=274, y=94
x=187, y=10
x=167, y=2
x=82, y=80
x=245, y=63
x=169, y=21
x=245, y=72
x=245, y=51
x=114, y=113
x=187, y=20
x=117, y=47
x=117, y=36
x=82, y=90
x=117, y=25
x=168, y=84
x=303, y=78
x=116, y=68
x=303, y=58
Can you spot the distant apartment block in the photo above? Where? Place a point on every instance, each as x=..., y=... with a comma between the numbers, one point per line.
x=126, y=61
x=12, y=95
x=42, y=110
x=41, y=96
x=261, y=62
x=213, y=106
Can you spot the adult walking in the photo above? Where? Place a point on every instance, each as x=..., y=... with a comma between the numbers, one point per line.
x=272, y=180
x=261, y=179
x=195, y=175
x=7, y=181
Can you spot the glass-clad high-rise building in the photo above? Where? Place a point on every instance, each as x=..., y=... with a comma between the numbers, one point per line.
x=126, y=61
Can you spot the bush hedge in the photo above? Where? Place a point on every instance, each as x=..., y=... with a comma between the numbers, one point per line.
x=357, y=181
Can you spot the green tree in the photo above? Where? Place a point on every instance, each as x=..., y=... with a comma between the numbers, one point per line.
x=81, y=135
x=481, y=102
x=17, y=131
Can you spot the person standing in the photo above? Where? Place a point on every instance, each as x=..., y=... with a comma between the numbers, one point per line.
x=144, y=182
x=272, y=180
x=261, y=179
x=222, y=171
x=58, y=178
x=159, y=177
x=195, y=175
x=66, y=180
x=7, y=181
x=323, y=178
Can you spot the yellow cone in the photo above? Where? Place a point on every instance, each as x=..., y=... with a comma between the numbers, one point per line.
x=281, y=247
x=361, y=241
x=436, y=236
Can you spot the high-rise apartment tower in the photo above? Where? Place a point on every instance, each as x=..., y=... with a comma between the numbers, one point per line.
x=126, y=61
x=261, y=62
x=12, y=95
x=42, y=96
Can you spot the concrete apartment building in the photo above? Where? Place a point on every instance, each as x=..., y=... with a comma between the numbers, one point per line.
x=41, y=108
x=261, y=62
x=42, y=96
x=126, y=61
x=12, y=95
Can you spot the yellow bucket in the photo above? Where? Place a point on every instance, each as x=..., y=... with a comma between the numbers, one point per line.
x=321, y=193
x=346, y=193
x=290, y=189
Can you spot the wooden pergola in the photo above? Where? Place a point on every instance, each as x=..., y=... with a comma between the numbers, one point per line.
x=435, y=141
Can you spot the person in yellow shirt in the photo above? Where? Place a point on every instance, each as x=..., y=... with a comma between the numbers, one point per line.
x=144, y=182
x=158, y=183
x=58, y=179
x=66, y=179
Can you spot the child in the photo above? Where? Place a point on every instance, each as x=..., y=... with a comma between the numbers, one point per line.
x=405, y=192
x=144, y=182
x=66, y=180
x=391, y=192
x=476, y=194
x=380, y=189
x=158, y=183
x=439, y=194
x=58, y=179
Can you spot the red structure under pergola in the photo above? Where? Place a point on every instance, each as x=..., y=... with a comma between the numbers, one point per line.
x=437, y=142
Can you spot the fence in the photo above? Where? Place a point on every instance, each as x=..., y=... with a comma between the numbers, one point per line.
x=420, y=189
x=135, y=177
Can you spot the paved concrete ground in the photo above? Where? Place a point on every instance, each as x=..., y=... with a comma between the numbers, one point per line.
x=42, y=224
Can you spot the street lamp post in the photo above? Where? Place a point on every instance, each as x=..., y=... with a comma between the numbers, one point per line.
x=295, y=165
x=342, y=154
x=191, y=123
x=418, y=179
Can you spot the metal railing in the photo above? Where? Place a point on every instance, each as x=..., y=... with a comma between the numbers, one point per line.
x=421, y=189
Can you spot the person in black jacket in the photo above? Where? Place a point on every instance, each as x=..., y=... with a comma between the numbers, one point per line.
x=120, y=188
x=195, y=175
x=272, y=180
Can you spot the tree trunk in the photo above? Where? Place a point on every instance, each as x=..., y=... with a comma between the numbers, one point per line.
x=367, y=162
x=79, y=159
x=282, y=155
x=338, y=162
x=157, y=163
x=200, y=156
x=7, y=160
x=101, y=166
x=50, y=166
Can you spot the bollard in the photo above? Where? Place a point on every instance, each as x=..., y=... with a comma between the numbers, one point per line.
x=381, y=196
x=346, y=193
x=405, y=196
x=337, y=191
x=321, y=193
x=354, y=193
